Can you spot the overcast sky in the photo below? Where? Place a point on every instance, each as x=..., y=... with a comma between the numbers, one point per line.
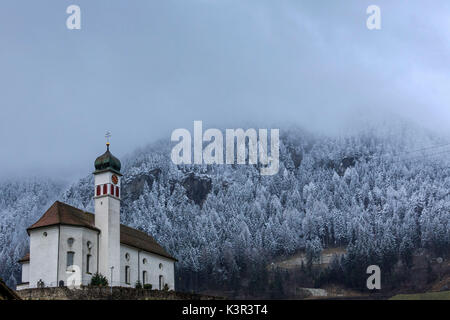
x=144, y=68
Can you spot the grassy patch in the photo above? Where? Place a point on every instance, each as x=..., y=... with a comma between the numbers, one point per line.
x=444, y=295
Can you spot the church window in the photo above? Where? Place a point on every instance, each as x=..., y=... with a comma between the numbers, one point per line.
x=117, y=192
x=70, y=256
x=70, y=241
x=88, y=263
x=144, y=277
x=160, y=266
x=127, y=274
x=112, y=190
x=105, y=189
x=144, y=261
x=99, y=190
x=127, y=256
x=161, y=282
x=45, y=234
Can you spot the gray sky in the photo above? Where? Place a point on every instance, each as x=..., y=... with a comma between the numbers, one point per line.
x=143, y=68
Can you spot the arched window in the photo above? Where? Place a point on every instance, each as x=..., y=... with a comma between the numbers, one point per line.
x=144, y=277
x=99, y=190
x=70, y=241
x=127, y=274
x=70, y=257
x=105, y=189
x=111, y=191
x=88, y=263
x=117, y=192
x=161, y=282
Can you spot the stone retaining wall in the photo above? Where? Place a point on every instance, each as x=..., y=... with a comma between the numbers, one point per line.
x=96, y=293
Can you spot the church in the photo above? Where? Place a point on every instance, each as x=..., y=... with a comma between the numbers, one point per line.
x=68, y=245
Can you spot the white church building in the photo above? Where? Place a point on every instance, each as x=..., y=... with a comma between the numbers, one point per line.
x=68, y=246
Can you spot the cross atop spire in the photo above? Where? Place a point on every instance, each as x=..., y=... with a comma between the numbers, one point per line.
x=107, y=136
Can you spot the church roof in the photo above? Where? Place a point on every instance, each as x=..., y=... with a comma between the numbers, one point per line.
x=63, y=214
x=25, y=258
x=7, y=293
x=141, y=240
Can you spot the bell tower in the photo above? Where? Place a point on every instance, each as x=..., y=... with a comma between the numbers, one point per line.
x=107, y=179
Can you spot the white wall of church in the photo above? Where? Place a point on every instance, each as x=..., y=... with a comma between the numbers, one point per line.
x=151, y=266
x=49, y=259
x=92, y=237
x=25, y=272
x=64, y=272
x=154, y=271
x=44, y=256
x=132, y=262
x=79, y=247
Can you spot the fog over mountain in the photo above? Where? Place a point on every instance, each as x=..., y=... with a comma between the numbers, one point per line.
x=142, y=69
x=382, y=193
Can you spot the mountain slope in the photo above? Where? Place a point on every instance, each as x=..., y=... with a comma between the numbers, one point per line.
x=226, y=222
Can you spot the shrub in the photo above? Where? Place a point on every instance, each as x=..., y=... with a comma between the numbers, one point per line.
x=166, y=287
x=138, y=285
x=148, y=286
x=99, y=280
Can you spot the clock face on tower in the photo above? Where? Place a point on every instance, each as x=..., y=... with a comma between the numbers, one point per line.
x=114, y=179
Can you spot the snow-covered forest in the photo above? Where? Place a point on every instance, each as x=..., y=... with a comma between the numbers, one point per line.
x=382, y=193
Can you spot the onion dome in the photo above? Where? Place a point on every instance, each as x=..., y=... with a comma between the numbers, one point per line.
x=107, y=162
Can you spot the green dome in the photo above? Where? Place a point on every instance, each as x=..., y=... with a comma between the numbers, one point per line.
x=107, y=161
